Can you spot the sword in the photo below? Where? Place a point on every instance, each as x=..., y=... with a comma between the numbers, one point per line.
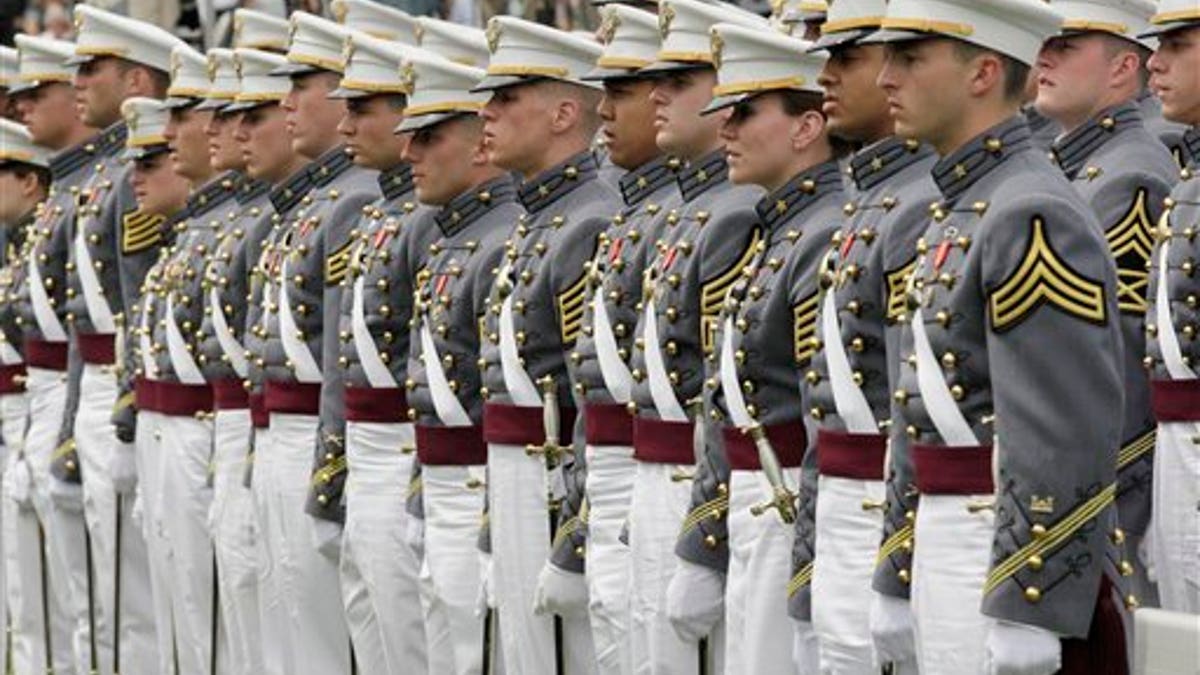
x=695, y=408
x=550, y=449
x=783, y=499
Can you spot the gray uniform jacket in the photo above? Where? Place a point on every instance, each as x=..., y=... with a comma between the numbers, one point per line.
x=183, y=275
x=864, y=277
x=1016, y=292
x=452, y=298
x=13, y=256
x=542, y=276
x=700, y=254
x=313, y=253
x=1120, y=171
x=389, y=246
x=769, y=313
x=1173, y=320
x=226, y=281
x=650, y=192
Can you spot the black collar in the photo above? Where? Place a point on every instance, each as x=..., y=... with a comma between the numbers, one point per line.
x=1072, y=150
x=643, y=181
x=213, y=193
x=329, y=166
x=702, y=174
x=1036, y=120
x=880, y=161
x=1191, y=145
x=802, y=191
x=961, y=169
x=286, y=196
x=552, y=184
x=250, y=189
x=396, y=181
x=73, y=159
x=470, y=206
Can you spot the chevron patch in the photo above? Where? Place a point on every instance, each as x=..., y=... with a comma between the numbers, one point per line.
x=140, y=231
x=570, y=309
x=1044, y=278
x=337, y=264
x=897, y=290
x=804, y=327
x=714, y=292
x=1131, y=241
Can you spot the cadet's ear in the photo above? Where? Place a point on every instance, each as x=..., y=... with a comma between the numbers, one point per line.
x=1125, y=66
x=807, y=127
x=566, y=115
x=986, y=75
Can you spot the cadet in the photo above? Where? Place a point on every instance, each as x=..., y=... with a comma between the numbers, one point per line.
x=851, y=378
x=301, y=339
x=605, y=465
x=114, y=245
x=24, y=182
x=45, y=100
x=264, y=141
x=222, y=360
x=539, y=122
x=1171, y=348
x=1013, y=339
x=162, y=193
x=1114, y=162
x=476, y=205
x=185, y=397
x=700, y=250
x=776, y=138
x=364, y=412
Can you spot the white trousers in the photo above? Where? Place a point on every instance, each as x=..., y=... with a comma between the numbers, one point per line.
x=450, y=572
x=316, y=621
x=151, y=465
x=95, y=442
x=22, y=549
x=234, y=533
x=847, y=541
x=1175, y=535
x=517, y=493
x=657, y=508
x=14, y=411
x=610, y=471
x=63, y=529
x=950, y=566
x=378, y=568
x=186, y=499
x=278, y=655
x=758, y=633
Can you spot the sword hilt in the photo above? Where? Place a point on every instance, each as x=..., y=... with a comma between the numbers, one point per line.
x=782, y=500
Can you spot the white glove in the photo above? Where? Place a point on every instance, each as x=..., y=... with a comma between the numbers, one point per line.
x=560, y=592
x=486, y=598
x=327, y=537
x=806, y=653
x=695, y=600
x=123, y=468
x=66, y=496
x=891, y=625
x=414, y=535
x=20, y=482
x=1021, y=649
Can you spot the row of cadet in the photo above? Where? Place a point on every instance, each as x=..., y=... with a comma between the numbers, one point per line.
x=861, y=338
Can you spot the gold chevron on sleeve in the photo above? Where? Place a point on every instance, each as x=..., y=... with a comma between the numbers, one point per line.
x=1055, y=536
x=894, y=543
x=570, y=309
x=337, y=264
x=804, y=327
x=1044, y=278
x=1131, y=241
x=712, y=509
x=327, y=473
x=713, y=292
x=140, y=231
x=897, y=287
